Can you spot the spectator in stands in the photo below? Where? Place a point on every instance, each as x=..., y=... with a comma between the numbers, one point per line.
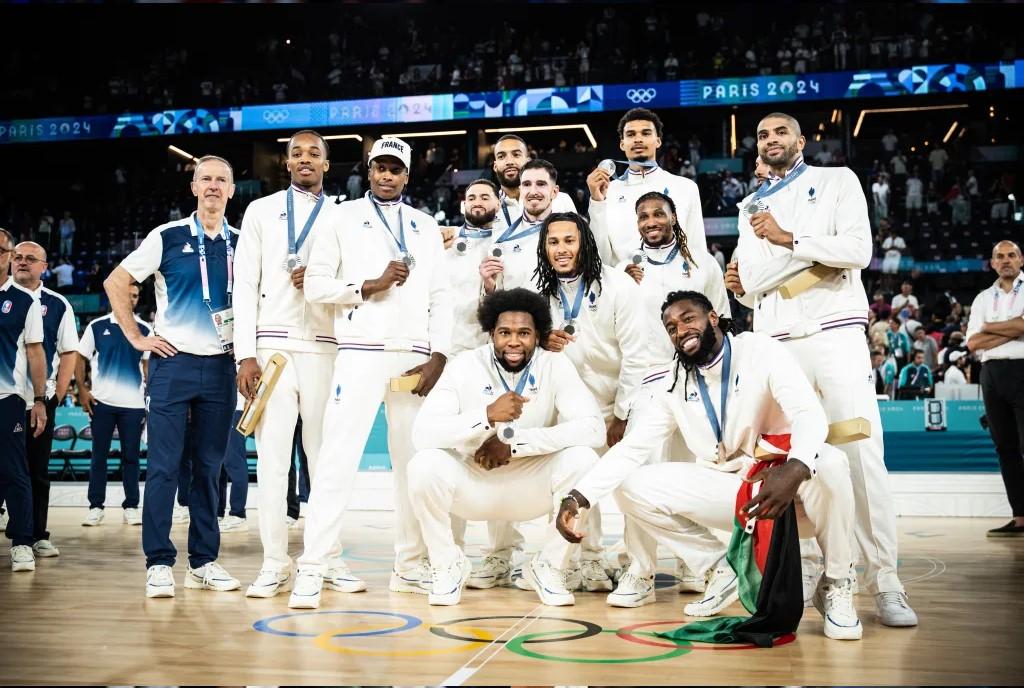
x=927, y=346
x=67, y=233
x=354, y=184
x=958, y=371
x=916, y=380
x=893, y=245
x=889, y=143
x=44, y=229
x=938, y=159
x=998, y=193
x=954, y=343
x=905, y=298
x=898, y=167
x=174, y=213
x=65, y=274
x=959, y=206
x=884, y=370
x=94, y=280
x=732, y=192
x=972, y=188
x=898, y=342
x=915, y=194
x=823, y=157
x=880, y=196
x=688, y=170
x=881, y=309
x=716, y=252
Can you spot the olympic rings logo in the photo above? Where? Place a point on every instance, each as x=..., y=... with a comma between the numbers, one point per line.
x=641, y=95
x=275, y=116
x=469, y=637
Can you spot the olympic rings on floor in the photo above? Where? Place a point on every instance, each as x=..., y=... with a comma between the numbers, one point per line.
x=323, y=641
x=411, y=622
x=589, y=629
x=627, y=633
x=517, y=645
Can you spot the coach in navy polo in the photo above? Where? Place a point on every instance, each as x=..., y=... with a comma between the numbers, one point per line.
x=192, y=369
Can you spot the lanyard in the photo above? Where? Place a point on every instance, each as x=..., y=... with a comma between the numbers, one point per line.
x=648, y=165
x=400, y=239
x=671, y=256
x=504, y=210
x=230, y=256
x=716, y=427
x=770, y=187
x=473, y=232
x=293, y=245
x=523, y=377
x=570, y=316
x=996, y=294
x=510, y=235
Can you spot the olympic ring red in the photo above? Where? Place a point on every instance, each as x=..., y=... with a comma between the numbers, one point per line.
x=626, y=633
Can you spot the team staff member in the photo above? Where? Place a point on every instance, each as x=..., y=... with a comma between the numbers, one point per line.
x=727, y=400
x=382, y=265
x=602, y=330
x=801, y=216
x=613, y=200
x=996, y=330
x=510, y=157
x=21, y=351
x=193, y=370
x=461, y=466
x=115, y=398
x=273, y=317
x=60, y=341
x=513, y=258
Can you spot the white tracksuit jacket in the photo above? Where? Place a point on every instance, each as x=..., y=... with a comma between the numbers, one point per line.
x=463, y=271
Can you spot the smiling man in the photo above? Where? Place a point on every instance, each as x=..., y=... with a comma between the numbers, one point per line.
x=382, y=266
x=508, y=427
x=272, y=317
x=510, y=156
x=613, y=199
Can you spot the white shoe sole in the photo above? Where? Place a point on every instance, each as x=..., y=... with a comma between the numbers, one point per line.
x=92, y=524
x=235, y=529
x=695, y=586
x=454, y=597
x=46, y=554
x=266, y=592
x=488, y=583
x=304, y=602
x=699, y=609
x=397, y=584
x=345, y=584
x=192, y=584
x=160, y=591
x=630, y=601
x=23, y=566
x=546, y=597
x=836, y=632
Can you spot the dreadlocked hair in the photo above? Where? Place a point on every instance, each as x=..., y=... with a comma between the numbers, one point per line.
x=680, y=236
x=724, y=324
x=588, y=260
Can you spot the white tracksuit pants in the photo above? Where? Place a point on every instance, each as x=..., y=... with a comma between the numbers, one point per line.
x=666, y=500
x=300, y=391
x=442, y=484
x=360, y=383
x=838, y=364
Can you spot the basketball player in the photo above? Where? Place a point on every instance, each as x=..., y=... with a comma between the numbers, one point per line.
x=466, y=466
x=383, y=264
x=193, y=370
x=603, y=331
x=510, y=157
x=732, y=275
x=613, y=199
x=801, y=216
x=764, y=394
x=273, y=317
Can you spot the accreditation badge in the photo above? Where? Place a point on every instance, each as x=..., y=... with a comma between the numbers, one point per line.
x=224, y=322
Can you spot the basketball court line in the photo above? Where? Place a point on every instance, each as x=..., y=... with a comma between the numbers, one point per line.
x=467, y=670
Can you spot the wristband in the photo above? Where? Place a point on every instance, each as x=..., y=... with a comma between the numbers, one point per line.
x=39, y=397
x=574, y=501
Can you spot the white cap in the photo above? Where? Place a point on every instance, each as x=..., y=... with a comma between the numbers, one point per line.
x=396, y=148
x=956, y=356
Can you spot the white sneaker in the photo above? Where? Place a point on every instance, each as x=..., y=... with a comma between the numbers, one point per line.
x=270, y=582
x=341, y=579
x=3, y=521
x=448, y=582
x=234, y=524
x=688, y=580
x=492, y=572
x=159, y=581
x=133, y=516
x=180, y=515
x=594, y=577
x=632, y=591
x=549, y=583
x=210, y=576
x=93, y=518
x=418, y=581
x=834, y=601
x=306, y=594
x=810, y=585
x=721, y=591
x=22, y=558
x=293, y=523
x=894, y=609
x=44, y=549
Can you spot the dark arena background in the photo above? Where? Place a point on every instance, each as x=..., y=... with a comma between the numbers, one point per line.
x=105, y=109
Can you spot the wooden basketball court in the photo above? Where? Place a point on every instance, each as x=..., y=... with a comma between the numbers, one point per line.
x=83, y=618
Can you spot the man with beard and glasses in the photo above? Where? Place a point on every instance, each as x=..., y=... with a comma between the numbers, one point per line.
x=510, y=156
x=602, y=331
x=613, y=199
x=507, y=429
x=513, y=256
x=381, y=263
x=800, y=217
x=675, y=503
x=272, y=317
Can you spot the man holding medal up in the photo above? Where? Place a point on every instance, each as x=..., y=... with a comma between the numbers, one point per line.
x=382, y=265
x=272, y=317
x=192, y=370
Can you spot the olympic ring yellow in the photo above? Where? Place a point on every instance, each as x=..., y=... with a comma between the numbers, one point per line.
x=324, y=642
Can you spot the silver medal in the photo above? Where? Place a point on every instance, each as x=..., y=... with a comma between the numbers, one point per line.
x=461, y=245
x=409, y=260
x=292, y=263
x=496, y=252
x=568, y=328
x=637, y=258
x=608, y=165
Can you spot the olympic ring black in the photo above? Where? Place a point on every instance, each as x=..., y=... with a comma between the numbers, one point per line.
x=590, y=629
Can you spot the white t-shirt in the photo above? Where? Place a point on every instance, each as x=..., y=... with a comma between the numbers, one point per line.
x=65, y=275
x=915, y=187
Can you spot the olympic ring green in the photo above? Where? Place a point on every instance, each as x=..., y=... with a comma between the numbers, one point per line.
x=516, y=646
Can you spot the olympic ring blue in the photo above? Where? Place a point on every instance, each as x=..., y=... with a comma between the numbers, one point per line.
x=411, y=622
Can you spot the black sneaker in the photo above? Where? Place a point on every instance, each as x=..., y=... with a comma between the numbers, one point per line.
x=1011, y=529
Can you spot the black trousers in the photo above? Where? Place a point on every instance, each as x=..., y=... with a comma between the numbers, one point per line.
x=1002, y=387
x=37, y=451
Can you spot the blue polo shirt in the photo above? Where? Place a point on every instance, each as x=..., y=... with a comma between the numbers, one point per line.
x=21, y=323
x=116, y=364
x=171, y=252
x=60, y=333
